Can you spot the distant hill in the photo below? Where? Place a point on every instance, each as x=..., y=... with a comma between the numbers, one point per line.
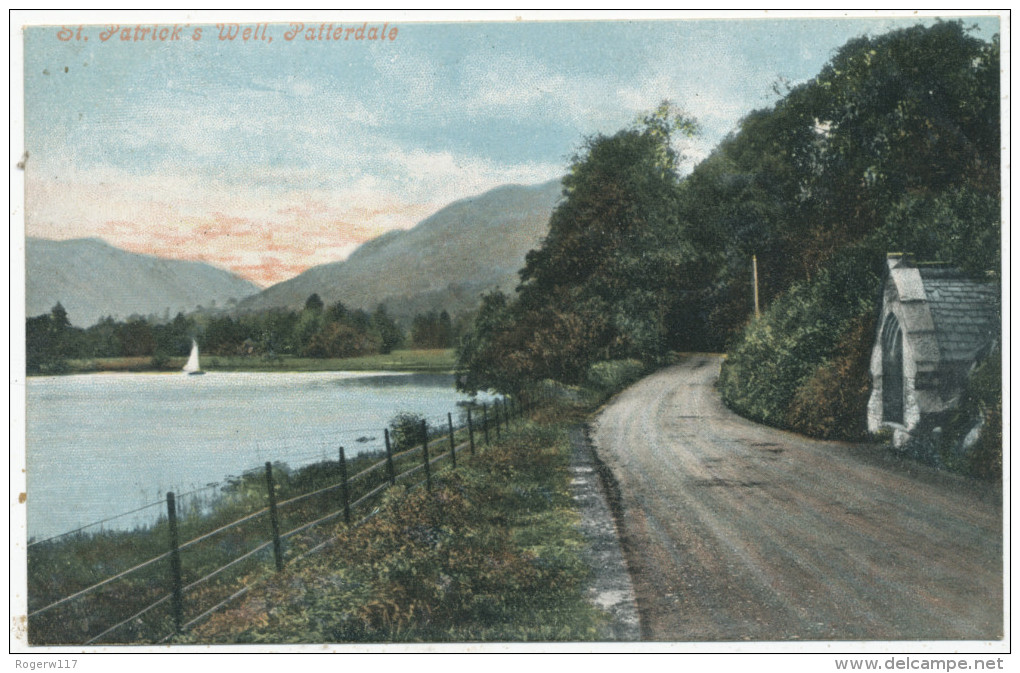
x=93, y=279
x=445, y=262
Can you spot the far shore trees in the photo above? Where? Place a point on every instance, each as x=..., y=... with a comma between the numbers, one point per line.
x=316, y=331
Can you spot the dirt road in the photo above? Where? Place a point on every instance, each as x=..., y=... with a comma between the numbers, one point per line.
x=735, y=531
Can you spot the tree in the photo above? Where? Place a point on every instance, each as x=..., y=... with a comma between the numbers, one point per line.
x=390, y=334
x=340, y=340
x=314, y=303
x=615, y=257
x=432, y=330
x=136, y=338
x=479, y=357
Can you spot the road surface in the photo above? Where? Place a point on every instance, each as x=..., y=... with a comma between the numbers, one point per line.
x=735, y=531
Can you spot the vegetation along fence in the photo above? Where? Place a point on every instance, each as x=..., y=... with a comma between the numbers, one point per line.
x=151, y=583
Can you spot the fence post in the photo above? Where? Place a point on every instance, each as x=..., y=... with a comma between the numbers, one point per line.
x=389, y=458
x=471, y=432
x=176, y=586
x=453, y=448
x=495, y=412
x=274, y=519
x=345, y=489
x=425, y=451
x=485, y=422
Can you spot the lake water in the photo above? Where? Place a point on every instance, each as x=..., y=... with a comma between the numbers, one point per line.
x=99, y=445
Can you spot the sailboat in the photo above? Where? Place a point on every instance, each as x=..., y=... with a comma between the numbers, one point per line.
x=191, y=367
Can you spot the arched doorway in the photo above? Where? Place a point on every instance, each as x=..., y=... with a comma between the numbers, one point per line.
x=892, y=370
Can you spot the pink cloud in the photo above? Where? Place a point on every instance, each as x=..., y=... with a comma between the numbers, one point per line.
x=263, y=251
x=263, y=239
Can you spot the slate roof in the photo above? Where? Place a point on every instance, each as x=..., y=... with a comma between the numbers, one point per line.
x=965, y=312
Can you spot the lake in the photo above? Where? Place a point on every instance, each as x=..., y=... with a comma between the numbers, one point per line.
x=99, y=445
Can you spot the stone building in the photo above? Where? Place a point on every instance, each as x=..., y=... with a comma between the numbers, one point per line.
x=936, y=325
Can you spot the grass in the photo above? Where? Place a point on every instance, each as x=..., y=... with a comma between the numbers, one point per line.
x=436, y=361
x=491, y=554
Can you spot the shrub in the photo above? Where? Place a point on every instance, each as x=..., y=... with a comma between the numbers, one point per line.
x=610, y=376
x=806, y=331
x=980, y=405
x=831, y=403
x=405, y=431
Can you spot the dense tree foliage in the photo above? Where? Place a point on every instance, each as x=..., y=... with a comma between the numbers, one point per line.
x=315, y=331
x=432, y=330
x=906, y=159
x=605, y=283
x=50, y=341
x=893, y=146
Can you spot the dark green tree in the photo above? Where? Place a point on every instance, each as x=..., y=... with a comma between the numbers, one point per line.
x=390, y=334
x=314, y=303
x=49, y=341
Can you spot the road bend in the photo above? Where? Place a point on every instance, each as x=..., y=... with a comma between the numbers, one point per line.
x=735, y=531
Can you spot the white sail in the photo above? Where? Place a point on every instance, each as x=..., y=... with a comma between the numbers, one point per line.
x=192, y=365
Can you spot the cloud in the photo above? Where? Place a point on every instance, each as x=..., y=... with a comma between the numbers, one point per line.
x=269, y=164
x=267, y=230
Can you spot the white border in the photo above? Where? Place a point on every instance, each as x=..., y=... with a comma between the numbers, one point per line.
x=808, y=653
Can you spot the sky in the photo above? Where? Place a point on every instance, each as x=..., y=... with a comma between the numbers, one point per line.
x=268, y=156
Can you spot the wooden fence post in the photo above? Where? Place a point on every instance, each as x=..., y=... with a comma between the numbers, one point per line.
x=471, y=432
x=345, y=489
x=176, y=585
x=425, y=451
x=495, y=412
x=389, y=459
x=453, y=448
x=274, y=519
x=485, y=422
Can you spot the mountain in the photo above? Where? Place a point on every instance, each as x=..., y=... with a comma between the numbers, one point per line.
x=445, y=262
x=92, y=279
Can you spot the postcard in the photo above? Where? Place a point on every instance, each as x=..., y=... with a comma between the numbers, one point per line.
x=535, y=332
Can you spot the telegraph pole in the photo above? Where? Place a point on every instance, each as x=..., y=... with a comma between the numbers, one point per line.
x=754, y=266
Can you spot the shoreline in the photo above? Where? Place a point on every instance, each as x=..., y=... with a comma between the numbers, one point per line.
x=433, y=361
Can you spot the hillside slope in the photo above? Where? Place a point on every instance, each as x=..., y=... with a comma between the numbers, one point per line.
x=93, y=279
x=444, y=262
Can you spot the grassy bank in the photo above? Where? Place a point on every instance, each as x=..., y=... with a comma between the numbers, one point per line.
x=491, y=554
x=437, y=361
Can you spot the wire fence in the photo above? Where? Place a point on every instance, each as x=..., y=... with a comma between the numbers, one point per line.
x=148, y=586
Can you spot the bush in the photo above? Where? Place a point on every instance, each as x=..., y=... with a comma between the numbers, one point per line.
x=610, y=376
x=980, y=405
x=831, y=403
x=405, y=431
x=816, y=326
